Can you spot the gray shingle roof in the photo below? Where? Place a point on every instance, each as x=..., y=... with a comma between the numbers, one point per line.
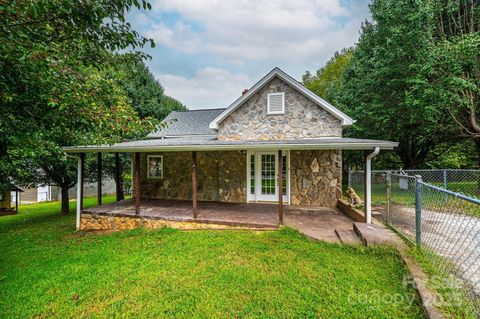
x=194, y=122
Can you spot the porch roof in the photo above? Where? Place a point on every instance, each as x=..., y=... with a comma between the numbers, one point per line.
x=211, y=143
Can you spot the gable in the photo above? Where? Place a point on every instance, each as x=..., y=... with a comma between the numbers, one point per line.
x=276, y=72
x=300, y=117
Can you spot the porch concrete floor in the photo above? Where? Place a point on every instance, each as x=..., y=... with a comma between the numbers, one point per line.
x=318, y=223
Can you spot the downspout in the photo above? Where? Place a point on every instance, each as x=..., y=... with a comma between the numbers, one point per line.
x=368, y=185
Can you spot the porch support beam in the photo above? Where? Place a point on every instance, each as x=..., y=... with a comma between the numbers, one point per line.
x=99, y=179
x=368, y=184
x=82, y=180
x=280, y=187
x=137, y=183
x=194, y=185
x=118, y=178
x=81, y=164
x=16, y=201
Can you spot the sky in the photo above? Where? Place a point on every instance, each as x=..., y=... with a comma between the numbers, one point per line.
x=208, y=51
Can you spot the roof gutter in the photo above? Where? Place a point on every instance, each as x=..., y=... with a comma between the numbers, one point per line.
x=230, y=147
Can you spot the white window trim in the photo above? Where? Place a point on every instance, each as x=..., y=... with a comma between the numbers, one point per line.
x=148, y=166
x=282, y=94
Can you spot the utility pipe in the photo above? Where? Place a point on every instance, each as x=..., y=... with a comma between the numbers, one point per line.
x=79, y=192
x=368, y=185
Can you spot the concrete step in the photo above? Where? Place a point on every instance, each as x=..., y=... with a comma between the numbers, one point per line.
x=348, y=237
x=374, y=234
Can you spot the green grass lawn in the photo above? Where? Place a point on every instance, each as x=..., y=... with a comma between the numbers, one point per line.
x=190, y=274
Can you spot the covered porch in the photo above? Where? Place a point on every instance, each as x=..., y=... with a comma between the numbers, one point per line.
x=321, y=223
x=313, y=170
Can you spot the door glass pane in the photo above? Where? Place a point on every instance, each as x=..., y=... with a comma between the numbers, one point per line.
x=252, y=174
x=268, y=174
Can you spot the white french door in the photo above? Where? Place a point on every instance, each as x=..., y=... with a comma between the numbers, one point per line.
x=266, y=179
x=263, y=176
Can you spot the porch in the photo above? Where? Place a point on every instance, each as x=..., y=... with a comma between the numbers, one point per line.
x=323, y=223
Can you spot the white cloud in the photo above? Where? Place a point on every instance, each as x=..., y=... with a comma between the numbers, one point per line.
x=255, y=35
x=258, y=30
x=208, y=88
x=180, y=36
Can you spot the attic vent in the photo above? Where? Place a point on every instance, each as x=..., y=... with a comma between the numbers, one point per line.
x=276, y=103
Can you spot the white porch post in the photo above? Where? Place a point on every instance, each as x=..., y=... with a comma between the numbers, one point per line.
x=368, y=185
x=79, y=191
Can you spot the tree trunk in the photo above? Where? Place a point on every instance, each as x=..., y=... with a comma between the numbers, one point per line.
x=118, y=178
x=477, y=143
x=65, y=203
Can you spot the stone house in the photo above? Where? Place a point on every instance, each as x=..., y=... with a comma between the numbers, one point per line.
x=277, y=143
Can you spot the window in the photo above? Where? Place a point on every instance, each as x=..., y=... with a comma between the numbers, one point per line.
x=276, y=103
x=155, y=166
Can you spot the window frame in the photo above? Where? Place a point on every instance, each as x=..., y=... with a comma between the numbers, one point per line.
x=161, y=166
x=269, y=112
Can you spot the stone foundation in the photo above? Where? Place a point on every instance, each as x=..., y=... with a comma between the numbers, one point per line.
x=115, y=222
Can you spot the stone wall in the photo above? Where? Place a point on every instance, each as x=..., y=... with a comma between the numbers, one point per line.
x=221, y=176
x=108, y=222
x=302, y=119
x=315, y=177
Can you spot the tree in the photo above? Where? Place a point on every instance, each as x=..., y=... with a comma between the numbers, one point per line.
x=456, y=63
x=327, y=80
x=146, y=93
x=53, y=88
x=110, y=118
x=386, y=85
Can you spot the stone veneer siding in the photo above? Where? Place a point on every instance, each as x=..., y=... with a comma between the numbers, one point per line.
x=302, y=119
x=221, y=176
x=315, y=177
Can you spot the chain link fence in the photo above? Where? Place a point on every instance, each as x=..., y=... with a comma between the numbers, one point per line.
x=445, y=225
x=465, y=181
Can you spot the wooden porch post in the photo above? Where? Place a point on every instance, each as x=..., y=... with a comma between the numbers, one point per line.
x=118, y=178
x=280, y=187
x=99, y=179
x=194, y=184
x=82, y=173
x=137, y=183
x=16, y=201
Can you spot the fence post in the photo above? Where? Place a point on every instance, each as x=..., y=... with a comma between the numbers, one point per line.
x=349, y=178
x=444, y=179
x=418, y=210
x=389, y=199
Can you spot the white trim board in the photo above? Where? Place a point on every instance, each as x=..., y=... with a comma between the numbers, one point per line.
x=232, y=147
x=345, y=119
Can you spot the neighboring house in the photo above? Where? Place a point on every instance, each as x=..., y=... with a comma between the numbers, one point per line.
x=36, y=194
x=236, y=151
x=39, y=194
x=6, y=191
